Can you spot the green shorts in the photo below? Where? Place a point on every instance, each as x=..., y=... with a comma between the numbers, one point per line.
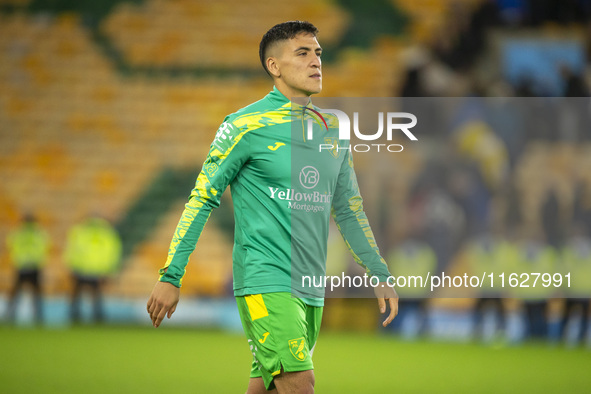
x=281, y=332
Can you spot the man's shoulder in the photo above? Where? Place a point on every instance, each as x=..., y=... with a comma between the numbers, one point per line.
x=237, y=124
x=254, y=111
x=264, y=104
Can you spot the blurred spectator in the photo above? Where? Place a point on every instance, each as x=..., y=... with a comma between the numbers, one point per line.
x=468, y=191
x=582, y=205
x=490, y=254
x=410, y=259
x=428, y=76
x=574, y=84
x=552, y=222
x=512, y=12
x=435, y=215
x=574, y=110
x=505, y=116
x=535, y=257
x=28, y=246
x=588, y=47
x=412, y=84
x=476, y=141
x=464, y=37
x=93, y=252
x=526, y=87
x=562, y=12
x=576, y=261
x=512, y=214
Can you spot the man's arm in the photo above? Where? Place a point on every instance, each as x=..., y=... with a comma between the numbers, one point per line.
x=228, y=153
x=348, y=213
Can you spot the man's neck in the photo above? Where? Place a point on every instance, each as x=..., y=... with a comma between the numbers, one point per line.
x=295, y=97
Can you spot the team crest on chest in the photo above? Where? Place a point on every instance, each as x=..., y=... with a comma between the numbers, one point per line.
x=335, y=152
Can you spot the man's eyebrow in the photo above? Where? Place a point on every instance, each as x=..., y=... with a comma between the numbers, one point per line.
x=308, y=49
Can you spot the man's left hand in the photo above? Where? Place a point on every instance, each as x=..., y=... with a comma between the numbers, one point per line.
x=385, y=293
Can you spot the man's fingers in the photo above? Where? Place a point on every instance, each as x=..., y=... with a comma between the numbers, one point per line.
x=171, y=311
x=394, y=305
x=162, y=302
x=382, y=305
x=154, y=313
x=149, y=305
x=160, y=316
x=160, y=310
x=393, y=311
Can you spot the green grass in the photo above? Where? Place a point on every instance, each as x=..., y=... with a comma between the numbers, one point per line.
x=146, y=360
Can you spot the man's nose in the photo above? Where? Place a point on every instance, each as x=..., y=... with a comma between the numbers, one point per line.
x=316, y=62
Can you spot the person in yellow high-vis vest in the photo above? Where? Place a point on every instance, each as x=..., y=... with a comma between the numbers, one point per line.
x=412, y=258
x=28, y=247
x=93, y=252
x=536, y=258
x=488, y=256
x=575, y=261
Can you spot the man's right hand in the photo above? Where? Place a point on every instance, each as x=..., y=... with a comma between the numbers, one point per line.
x=162, y=302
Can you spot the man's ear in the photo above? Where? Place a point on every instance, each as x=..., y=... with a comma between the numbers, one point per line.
x=273, y=67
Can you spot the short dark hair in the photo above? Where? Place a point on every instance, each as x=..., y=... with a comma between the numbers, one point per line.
x=283, y=31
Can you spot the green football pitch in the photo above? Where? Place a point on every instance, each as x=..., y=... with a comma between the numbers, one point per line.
x=166, y=360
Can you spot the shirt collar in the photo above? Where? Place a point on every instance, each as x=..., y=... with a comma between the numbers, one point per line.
x=277, y=97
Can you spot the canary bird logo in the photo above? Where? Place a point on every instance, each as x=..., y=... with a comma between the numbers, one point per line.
x=297, y=347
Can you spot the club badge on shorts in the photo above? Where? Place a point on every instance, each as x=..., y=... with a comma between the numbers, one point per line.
x=297, y=347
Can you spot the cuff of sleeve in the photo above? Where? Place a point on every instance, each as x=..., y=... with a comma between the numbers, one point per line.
x=382, y=277
x=165, y=276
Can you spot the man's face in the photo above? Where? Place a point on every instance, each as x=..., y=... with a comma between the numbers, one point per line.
x=298, y=68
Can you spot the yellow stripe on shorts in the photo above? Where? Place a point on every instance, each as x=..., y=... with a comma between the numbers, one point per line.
x=256, y=306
